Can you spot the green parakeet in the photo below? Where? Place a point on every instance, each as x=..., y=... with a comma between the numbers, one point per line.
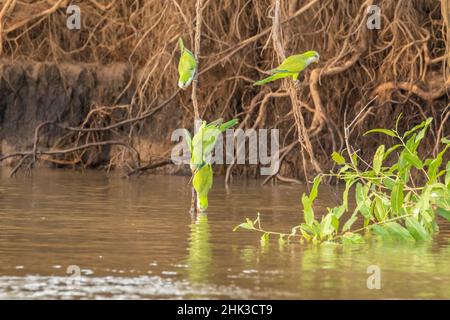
x=202, y=182
x=205, y=139
x=201, y=146
x=291, y=67
x=187, y=67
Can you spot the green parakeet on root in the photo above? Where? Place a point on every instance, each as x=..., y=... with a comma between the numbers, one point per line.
x=205, y=139
x=291, y=67
x=187, y=67
x=201, y=146
x=202, y=182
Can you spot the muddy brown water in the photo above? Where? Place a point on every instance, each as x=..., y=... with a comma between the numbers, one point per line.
x=134, y=239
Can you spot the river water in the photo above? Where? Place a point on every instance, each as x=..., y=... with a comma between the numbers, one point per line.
x=87, y=235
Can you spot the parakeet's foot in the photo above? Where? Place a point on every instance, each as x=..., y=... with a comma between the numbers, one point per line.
x=297, y=83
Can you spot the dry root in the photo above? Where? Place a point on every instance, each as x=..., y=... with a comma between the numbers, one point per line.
x=405, y=65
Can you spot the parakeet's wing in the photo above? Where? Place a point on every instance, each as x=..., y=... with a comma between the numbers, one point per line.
x=197, y=147
x=187, y=64
x=209, y=140
x=212, y=133
x=295, y=63
x=203, y=180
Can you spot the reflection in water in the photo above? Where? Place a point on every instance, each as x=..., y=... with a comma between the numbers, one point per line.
x=134, y=238
x=200, y=256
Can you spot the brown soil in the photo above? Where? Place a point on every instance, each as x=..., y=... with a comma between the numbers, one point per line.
x=122, y=65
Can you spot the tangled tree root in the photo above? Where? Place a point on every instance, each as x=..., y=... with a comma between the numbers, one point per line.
x=403, y=67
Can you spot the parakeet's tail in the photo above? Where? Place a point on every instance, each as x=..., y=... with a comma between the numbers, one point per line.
x=228, y=125
x=271, y=78
x=181, y=44
x=202, y=203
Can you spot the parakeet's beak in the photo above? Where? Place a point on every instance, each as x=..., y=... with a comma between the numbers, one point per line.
x=181, y=86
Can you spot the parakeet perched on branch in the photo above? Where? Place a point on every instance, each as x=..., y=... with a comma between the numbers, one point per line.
x=187, y=67
x=291, y=67
x=201, y=146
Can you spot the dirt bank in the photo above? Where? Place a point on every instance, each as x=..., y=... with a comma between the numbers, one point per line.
x=121, y=66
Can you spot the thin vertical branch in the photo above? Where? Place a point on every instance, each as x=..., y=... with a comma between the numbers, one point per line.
x=197, y=43
x=445, y=10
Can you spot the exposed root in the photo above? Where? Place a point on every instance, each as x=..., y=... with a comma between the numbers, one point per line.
x=405, y=65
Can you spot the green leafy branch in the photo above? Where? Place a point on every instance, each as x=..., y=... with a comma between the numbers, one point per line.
x=388, y=201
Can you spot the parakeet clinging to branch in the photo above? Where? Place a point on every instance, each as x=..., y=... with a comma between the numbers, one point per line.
x=205, y=139
x=187, y=67
x=291, y=67
x=202, y=182
x=201, y=146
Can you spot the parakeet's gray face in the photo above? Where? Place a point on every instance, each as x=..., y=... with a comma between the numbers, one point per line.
x=314, y=57
x=184, y=85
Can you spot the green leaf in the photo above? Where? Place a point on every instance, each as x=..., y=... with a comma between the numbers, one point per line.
x=354, y=159
x=433, y=168
x=443, y=213
x=335, y=223
x=416, y=229
x=350, y=222
x=417, y=127
x=352, y=238
x=361, y=200
x=325, y=226
x=308, y=229
x=413, y=159
x=445, y=141
x=447, y=175
x=348, y=185
x=344, y=169
x=422, y=132
x=339, y=211
x=384, y=131
x=265, y=239
x=245, y=225
x=423, y=125
x=397, y=197
x=315, y=188
x=307, y=210
x=381, y=211
x=390, y=150
x=339, y=159
x=378, y=159
x=388, y=183
x=423, y=203
x=398, y=231
x=381, y=232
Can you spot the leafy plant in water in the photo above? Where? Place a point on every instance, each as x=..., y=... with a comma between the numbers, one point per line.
x=389, y=203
